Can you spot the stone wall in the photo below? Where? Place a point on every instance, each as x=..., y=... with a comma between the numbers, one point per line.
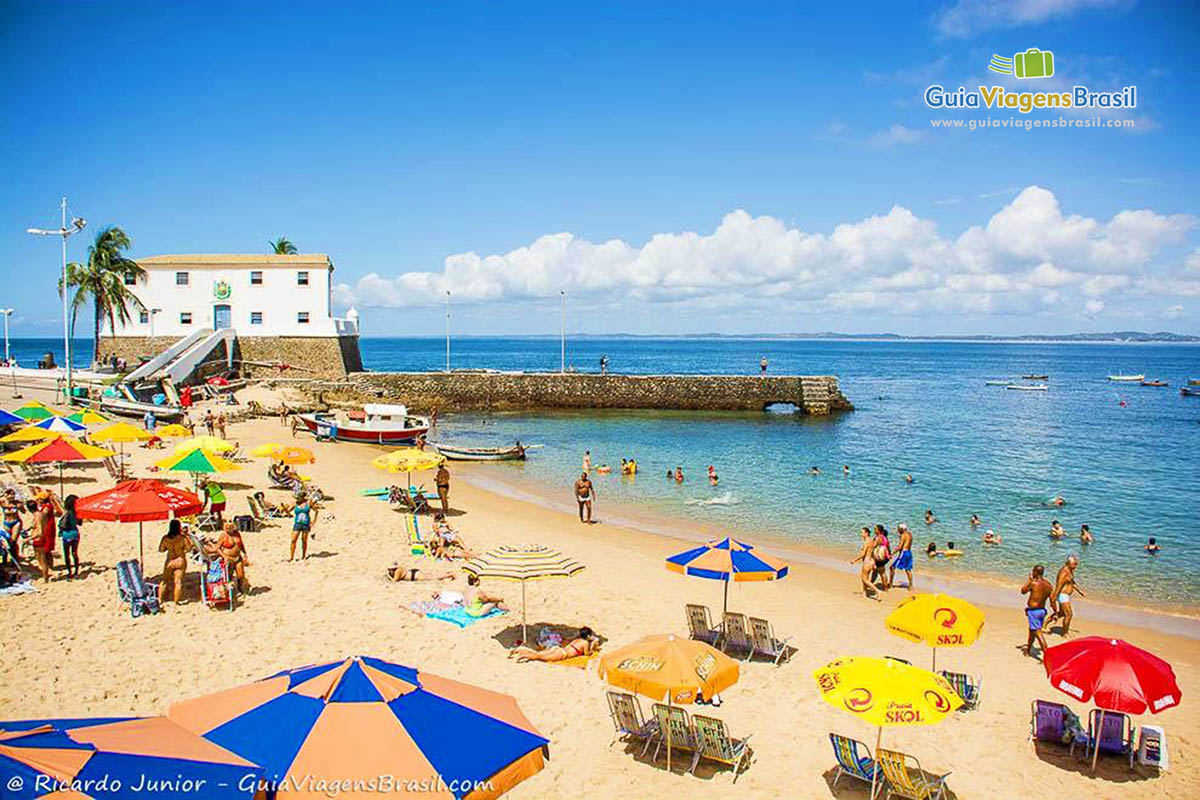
x=817, y=395
x=325, y=356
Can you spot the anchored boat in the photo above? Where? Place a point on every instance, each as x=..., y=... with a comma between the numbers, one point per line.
x=1029, y=387
x=1127, y=378
x=456, y=453
x=377, y=423
x=1036, y=377
x=1155, y=383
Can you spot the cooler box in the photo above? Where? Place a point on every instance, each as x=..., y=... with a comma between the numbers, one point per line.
x=1152, y=747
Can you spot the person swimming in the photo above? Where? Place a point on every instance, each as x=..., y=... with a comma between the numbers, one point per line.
x=1085, y=535
x=908, y=478
x=951, y=550
x=990, y=537
x=931, y=550
x=845, y=469
x=1056, y=530
x=814, y=471
x=929, y=517
x=712, y=475
x=975, y=521
x=1057, y=501
x=1152, y=546
x=679, y=474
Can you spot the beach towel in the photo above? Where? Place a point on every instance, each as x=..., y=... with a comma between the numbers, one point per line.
x=423, y=607
x=457, y=615
x=22, y=587
x=381, y=491
x=579, y=662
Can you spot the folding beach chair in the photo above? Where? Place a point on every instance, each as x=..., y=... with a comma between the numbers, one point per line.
x=412, y=502
x=848, y=753
x=735, y=634
x=626, y=713
x=133, y=589
x=717, y=745
x=1048, y=723
x=910, y=782
x=1112, y=733
x=416, y=544
x=700, y=625
x=968, y=687
x=765, y=644
x=674, y=724
x=217, y=587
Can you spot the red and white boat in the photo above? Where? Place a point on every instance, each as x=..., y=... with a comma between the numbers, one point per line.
x=377, y=423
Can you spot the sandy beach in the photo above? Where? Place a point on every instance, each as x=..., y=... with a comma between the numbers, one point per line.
x=73, y=650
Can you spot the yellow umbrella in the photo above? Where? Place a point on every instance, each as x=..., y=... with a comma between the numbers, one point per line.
x=172, y=431
x=30, y=433
x=938, y=620
x=87, y=417
x=665, y=666
x=197, y=460
x=58, y=450
x=288, y=454
x=266, y=450
x=209, y=444
x=886, y=692
x=410, y=460
x=121, y=432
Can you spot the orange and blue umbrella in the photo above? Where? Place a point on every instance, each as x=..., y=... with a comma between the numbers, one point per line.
x=727, y=560
x=105, y=759
x=347, y=721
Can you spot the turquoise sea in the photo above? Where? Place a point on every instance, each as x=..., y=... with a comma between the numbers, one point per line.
x=1129, y=471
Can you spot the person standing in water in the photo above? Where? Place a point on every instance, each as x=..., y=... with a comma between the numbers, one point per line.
x=903, y=561
x=587, y=460
x=762, y=365
x=868, y=564
x=1039, y=591
x=585, y=494
x=1064, y=588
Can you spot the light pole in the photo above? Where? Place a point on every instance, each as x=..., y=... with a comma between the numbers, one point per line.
x=153, y=313
x=447, y=331
x=7, y=312
x=77, y=224
x=563, y=364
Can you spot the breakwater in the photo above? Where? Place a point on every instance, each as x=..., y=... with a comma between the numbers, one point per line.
x=816, y=394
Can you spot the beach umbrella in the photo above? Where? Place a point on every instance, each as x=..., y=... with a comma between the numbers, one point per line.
x=727, y=560
x=1113, y=674
x=196, y=462
x=152, y=758
x=209, y=444
x=522, y=564
x=408, y=460
x=288, y=454
x=351, y=721
x=885, y=692
x=58, y=451
x=172, y=431
x=87, y=417
x=121, y=432
x=938, y=620
x=30, y=433
x=34, y=411
x=138, y=501
x=9, y=418
x=58, y=424
x=663, y=666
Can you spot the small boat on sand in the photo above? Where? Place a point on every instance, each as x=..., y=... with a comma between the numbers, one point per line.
x=377, y=423
x=1155, y=383
x=1035, y=377
x=1127, y=378
x=456, y=453
x=1029, y=387
x=996, y=383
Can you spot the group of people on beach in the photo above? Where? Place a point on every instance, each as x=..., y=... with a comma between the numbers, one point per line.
x=37, y=526
x=1040, y=593
x=879, y=561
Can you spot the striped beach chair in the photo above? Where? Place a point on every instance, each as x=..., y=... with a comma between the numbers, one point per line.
x=675, y=725
x=716, y=744
x=851, y=759
x=968, y=687
x=905, y=778
x=736, y=634
x=628, y=721
x=700, y=625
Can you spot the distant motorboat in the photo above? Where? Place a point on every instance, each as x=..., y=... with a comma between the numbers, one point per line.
x=1035, y=377
x=454, y=453
x=1029, y=387
x=996, y=383
x=1127, y=378
x=1155, y=383
x=1186, y=392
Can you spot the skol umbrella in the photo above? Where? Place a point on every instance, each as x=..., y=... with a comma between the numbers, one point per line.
x=59, y=451
x=727, y=560
x=209, y=444
x=409, y=460
x=152, y=758
x=886, y=693
x=121, y=432
x=522, y=564
x=938, y=620
x=139, y=501
x=1113, y=674
x=663, y=666
x=356, y=719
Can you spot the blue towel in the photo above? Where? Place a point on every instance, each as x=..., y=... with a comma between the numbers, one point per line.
x=457, y=615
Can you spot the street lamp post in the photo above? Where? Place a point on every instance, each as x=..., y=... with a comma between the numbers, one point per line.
x=7, y=312
x=447, y=331
x=77, y=224
x=563, y=338
x=153, y=313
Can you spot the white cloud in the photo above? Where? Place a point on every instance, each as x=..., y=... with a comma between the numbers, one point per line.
x=968, y=17
x=1173, y=311
x=897, y=134
x=1028, y=257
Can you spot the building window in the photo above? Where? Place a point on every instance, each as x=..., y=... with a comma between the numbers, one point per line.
x=143, y=317
x=302, y=317
x=256, y=277
x=185, y=318
x=302, y=278
x=130, y=279
x=256, y=318
x=181, y=279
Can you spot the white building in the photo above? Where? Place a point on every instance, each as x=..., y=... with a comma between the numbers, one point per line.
x=256, y=295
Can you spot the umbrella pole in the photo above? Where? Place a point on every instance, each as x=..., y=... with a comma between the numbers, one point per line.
x=60, y=479
x=875, y=774
x=725, y=606
x=934, y=659
x=1096, y=744
x=524, y=636
x=669, y=728
x=141, y=549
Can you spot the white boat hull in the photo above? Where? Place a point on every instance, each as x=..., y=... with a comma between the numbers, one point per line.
x=1127, y=378
x=479, y=453
x=1028, y=387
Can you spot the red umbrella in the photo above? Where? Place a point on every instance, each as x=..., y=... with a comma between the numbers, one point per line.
x=138, y=501
x=1114, y=674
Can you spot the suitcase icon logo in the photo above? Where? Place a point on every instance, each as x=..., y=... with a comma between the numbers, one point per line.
x=1033, y=63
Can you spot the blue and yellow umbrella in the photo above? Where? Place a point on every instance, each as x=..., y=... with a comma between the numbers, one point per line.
x=727, y=560
x=361, y=718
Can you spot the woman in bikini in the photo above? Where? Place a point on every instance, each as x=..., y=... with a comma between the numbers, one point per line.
x=232, y=548
x=584, y=644
x=176, y=546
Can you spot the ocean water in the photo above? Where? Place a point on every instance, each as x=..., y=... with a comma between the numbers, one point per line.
x=1125, y=457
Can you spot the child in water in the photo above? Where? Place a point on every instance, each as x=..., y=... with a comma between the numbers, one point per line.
x=1152, y=547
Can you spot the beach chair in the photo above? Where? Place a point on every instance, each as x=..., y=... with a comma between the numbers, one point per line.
x=716, y=744
x=416, y=544
x=1112, y=733
x=674, y=724
x=133, y=589
x=735, y=634
x=407, y=500
x=848, y=753
x=968, y=687
x=217, y=587
x=700, y=625
x=1048, y=723
x=762, y=637
x=204, y=520
x=114, y=469
x=908, y=781
x=628, y=721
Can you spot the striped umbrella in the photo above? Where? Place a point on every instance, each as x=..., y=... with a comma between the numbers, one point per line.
x=57, y=451
x=355, y=720
x=87, y=417
x=727, y=560
x=524, y=563
x=9, y=418
x=60, y=425
x=152, y=758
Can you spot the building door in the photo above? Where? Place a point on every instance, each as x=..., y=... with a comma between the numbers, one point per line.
x=221, y=317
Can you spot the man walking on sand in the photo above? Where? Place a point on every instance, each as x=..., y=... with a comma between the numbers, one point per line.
x=903, y=561
x=1039, y=591
x=442, y=479
x=585, y=493
x=1064, y=587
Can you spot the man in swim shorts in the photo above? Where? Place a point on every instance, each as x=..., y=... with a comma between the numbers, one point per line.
x=1039, y=591
x=585, y=493
x=1064, y=587
x=903, y=561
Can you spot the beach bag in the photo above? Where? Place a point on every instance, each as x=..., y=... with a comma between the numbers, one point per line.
x=880, y=553
x=244, y=522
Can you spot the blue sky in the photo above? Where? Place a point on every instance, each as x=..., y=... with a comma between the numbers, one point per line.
x=674, y=167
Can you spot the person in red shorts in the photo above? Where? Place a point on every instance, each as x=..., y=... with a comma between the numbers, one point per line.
x=45, y=528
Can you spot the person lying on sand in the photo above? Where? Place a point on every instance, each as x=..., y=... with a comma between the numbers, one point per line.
x=398, y=572
x=445, y=541
x=585, y=644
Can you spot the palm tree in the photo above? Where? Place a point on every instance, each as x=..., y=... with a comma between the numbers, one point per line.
x=102, y=280
x=283, y=247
